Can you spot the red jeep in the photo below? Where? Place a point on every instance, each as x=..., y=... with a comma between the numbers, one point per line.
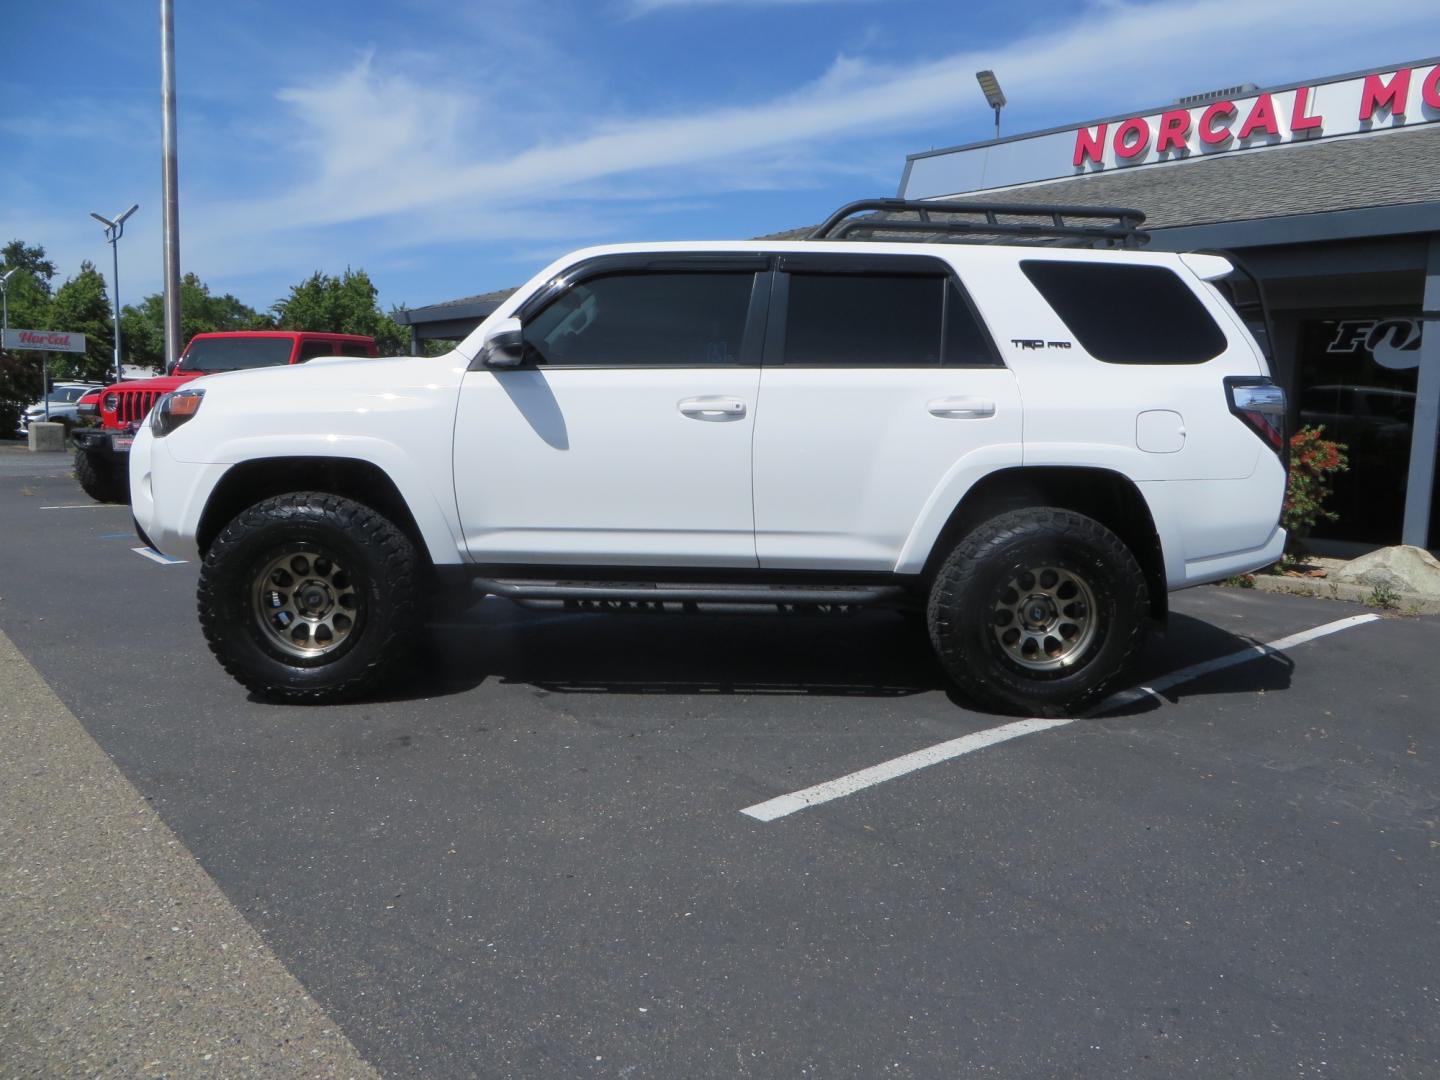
x=102, y=454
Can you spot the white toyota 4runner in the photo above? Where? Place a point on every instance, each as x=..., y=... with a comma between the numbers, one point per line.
x=1030, y=444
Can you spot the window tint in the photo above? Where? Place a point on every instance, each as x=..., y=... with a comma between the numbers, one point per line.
x=232, y=354
x=660, y=319
x=353, y=348
x=880, y=320
x=1128, y=314
x=309, y=350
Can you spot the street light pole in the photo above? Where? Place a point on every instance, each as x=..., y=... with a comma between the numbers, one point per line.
x=170, y=212
x=113, y=231
x=994, y=96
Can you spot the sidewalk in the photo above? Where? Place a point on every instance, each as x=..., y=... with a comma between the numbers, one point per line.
x=119, y=956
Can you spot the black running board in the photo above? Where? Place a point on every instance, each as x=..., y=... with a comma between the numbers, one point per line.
x=631, y=592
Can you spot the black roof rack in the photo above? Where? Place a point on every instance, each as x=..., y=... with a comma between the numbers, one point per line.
x=1105, y=226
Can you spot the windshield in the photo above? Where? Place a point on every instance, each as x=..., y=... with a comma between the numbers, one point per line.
x=232, y=354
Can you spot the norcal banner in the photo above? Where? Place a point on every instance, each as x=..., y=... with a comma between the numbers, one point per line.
x=44, y=340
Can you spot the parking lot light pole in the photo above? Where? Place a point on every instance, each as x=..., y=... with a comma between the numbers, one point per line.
x=994, y=96
x=5, y=296
x=113, y=231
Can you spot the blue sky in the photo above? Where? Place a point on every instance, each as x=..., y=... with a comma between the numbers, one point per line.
x=450, y=148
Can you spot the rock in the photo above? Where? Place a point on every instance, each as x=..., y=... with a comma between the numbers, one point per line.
x=47, y=438
x=1403, y=568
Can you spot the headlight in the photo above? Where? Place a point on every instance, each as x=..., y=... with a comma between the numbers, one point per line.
x=109, y=402
x=174, y=409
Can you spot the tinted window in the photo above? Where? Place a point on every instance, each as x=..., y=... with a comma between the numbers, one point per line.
x=309, y=350
x=353, y=348
x=1128, y=314
x=232, y=354
x=662, y=320
x=880, y=320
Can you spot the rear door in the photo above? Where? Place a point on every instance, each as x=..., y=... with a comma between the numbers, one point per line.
x=880, y=389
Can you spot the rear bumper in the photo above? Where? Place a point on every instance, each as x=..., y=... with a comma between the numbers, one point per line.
x=1220, y=567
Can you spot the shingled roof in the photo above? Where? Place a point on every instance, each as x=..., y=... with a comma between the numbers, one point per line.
x=1377, y=169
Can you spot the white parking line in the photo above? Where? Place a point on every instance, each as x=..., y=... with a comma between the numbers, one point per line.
x=783, y=805
x=155, y=556
x=82, y=506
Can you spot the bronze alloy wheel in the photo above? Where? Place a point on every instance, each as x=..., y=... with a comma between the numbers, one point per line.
x=1045, y=618
x=305, y=603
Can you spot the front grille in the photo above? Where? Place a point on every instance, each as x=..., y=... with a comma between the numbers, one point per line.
x=134, y=405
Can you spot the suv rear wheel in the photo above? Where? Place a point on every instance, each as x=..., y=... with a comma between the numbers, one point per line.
x=1038, y=611
x=104, y=479
x=310, y=598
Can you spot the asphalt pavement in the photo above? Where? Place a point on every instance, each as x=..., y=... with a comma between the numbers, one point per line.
x=531, y=860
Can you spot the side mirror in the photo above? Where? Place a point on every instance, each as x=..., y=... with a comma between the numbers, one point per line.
x=504, y=346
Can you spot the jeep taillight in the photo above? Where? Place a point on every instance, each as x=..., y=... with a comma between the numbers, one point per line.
x=1260, y=405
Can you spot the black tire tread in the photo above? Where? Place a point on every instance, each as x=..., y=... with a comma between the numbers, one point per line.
x=101, y=479
x=397, y=555
x=966, y=560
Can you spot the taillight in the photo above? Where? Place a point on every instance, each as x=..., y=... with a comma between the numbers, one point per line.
x=1260, y=405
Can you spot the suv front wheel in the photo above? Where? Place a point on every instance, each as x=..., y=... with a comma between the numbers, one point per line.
x=310, y=598
x=1038, y=611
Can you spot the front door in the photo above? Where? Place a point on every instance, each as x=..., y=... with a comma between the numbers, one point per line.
x=624, y=436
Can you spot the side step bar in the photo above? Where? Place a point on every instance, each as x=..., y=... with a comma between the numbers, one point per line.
x=658, y=593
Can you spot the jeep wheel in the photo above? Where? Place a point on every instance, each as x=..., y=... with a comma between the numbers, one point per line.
x=104, y=479
x=1038, y=611
x=310, y=598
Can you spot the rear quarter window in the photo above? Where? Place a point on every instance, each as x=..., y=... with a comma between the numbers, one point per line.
x=1128, y=314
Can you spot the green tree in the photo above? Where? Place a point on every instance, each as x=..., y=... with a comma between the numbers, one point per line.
x=18, y=253
x=28, y=302
x=82, y=305
x=340, y=305
x=142, y=325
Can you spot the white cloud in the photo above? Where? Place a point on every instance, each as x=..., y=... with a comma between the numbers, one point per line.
x=431, y=162
x=637, y=8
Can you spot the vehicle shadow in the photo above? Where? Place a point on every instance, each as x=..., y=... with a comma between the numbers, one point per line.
x=1186, y=643
x=876, y=654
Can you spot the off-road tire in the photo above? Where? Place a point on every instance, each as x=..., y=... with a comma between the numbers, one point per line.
x=974, y=578
x=103, y=478
x=385, y=569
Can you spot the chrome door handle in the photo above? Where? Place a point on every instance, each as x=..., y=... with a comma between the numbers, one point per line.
x=962, y=408
x=711, y=408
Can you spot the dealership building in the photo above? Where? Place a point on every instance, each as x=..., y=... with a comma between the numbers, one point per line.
x=1326, y=192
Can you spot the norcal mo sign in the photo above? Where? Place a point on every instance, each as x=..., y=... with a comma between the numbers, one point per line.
x=1380, y=99
x=1243, y=120
x=44, y=340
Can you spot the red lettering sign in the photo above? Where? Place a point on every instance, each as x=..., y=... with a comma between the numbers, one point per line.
x=1430, y=88
x=1090, y=146
x=1174, y=126
x=1378, y=94
x=1210, y=135
x=1124, y=146
x=1262, y=117
x=1298, y=120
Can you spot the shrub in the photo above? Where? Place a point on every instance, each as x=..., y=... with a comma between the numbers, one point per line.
x=1313, y=459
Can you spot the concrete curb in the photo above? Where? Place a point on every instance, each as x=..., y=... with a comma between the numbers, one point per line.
x=1405, y=603
x=119, y=955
